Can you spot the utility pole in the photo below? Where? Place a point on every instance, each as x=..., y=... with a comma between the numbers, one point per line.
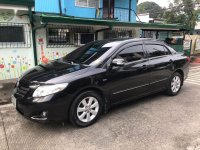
x=130, y=8
x=60, y=6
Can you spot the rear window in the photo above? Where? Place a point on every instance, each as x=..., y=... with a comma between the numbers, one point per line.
x=155, y=50
x=172, y=50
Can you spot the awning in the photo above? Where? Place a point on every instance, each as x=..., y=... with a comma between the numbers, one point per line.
x=18, y=2
x=56, y=19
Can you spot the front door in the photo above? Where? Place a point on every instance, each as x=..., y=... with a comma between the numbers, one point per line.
x=131, y=80
x=108, y=9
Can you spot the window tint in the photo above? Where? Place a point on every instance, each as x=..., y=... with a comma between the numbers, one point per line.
x=167, y=50
x=156, y=50
x=88, y=53
x=172, y=51
x=133, y=53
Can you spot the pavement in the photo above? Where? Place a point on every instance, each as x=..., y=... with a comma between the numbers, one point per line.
x=154, y=123
x=195, y=60
x=194, y=75
x=6, y=88
x=157, y=122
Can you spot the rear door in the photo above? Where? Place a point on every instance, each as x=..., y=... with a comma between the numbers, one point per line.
x=160, y=65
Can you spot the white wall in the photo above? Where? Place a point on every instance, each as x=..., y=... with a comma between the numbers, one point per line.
x=143, y=17
x=197, y=27
x=45, y=54
x=14, y=61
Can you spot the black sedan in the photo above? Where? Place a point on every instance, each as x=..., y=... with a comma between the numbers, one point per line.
x=90, y=80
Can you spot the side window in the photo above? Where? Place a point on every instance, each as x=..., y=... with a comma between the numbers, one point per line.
x=167, y=50
x=156, y=50
x=133, y=53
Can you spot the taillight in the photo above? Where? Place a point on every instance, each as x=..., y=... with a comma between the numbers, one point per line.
x=188, y=59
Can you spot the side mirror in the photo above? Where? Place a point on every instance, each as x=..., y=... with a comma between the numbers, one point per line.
x=118, y=62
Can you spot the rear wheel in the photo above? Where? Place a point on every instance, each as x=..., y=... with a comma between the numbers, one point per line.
x=86, y=109
x=175, y=84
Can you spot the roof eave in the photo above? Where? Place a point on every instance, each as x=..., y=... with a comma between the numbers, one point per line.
x=29, y=3
x=86, y=21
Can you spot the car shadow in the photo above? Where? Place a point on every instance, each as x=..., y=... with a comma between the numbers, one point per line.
x=113, y=110
x=118, y=109
x=134, y=103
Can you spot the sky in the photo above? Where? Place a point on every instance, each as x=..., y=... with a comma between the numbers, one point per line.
x=162, y=3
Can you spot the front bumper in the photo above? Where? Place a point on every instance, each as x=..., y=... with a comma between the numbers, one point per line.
x=55, y=110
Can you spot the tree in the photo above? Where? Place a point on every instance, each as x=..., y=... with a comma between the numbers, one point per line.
x=152, y=8
x=183, y=12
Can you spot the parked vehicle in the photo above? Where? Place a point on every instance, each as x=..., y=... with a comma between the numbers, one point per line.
x=90, y=80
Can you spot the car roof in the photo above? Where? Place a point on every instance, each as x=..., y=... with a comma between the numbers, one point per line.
x=128, y=40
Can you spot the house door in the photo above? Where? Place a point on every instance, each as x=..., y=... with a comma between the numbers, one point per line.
x=108, y=9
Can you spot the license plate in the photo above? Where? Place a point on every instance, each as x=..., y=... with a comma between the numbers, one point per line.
x=14, y=101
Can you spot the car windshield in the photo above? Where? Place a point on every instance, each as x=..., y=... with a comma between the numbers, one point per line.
x=88, y=53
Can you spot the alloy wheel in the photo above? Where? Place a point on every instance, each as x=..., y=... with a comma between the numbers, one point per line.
x=175, y=84
x=88, y=109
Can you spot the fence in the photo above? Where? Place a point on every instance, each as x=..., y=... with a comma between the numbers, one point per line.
x=121, y=14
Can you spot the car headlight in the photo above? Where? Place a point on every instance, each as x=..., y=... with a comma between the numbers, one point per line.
x=46, y=90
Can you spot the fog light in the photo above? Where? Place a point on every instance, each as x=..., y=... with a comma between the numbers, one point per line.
x=44, y=114
x=41, y=117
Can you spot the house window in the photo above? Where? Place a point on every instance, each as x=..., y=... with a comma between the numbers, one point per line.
x=87, y=3
x=63, y=36
x=14, y=35
x=11, y=34
x=118, y=34
x=83, y=38
x=58, y=36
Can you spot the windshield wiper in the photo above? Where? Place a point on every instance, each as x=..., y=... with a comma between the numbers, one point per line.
x=72, y=61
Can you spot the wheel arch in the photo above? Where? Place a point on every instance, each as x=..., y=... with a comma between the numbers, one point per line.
x=98, y=91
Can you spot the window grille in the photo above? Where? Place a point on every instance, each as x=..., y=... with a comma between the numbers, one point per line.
x=83, y=38
x=64, y=36
x=87, y=3
x=15, y=35
x=148, y=34
x=58, y=36
x=118, y=33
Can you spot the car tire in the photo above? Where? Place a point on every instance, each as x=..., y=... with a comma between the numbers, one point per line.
x=86, y=109
x=175, y=84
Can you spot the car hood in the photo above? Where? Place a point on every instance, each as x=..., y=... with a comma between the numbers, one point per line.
x=53, y=72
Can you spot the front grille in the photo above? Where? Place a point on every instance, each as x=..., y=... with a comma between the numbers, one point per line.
x=22, y=89
x=24, y=83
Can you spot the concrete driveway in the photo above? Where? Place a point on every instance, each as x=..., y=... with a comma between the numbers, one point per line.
x=157, y=122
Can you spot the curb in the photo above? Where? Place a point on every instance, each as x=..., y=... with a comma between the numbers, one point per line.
x=6, y=105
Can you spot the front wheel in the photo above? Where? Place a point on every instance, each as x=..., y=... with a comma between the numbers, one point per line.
x=86, y=109
x=175, y=84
